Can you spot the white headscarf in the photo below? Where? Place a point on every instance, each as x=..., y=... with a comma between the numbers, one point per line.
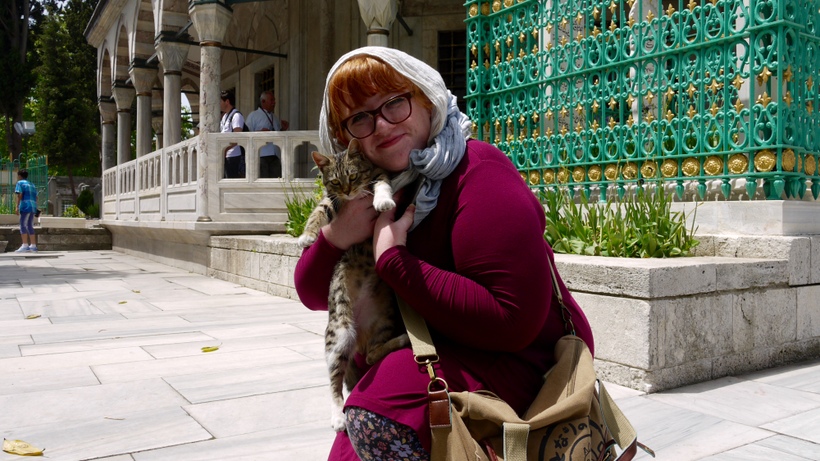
x=449, y=127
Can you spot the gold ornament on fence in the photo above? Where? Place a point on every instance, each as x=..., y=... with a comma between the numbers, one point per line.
x=594, y=173
x=788, y=160
x=563, y=175
x=630, y=170
x=578, y=174
x=690, y=167
x=765, y=161
x=669, y=168
x=738, y=164
x=535, y=177
x=549, y=176
x=713, y=165
x=810, y=167
x=611, y=172
x=649, y=169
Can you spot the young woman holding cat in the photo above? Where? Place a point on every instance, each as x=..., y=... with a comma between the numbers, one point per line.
x=469, y=257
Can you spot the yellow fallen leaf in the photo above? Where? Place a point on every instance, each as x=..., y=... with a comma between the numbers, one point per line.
x=210, y=348
x=122, y=302
x=19, y=447
x=135, y=291
x=33, y=316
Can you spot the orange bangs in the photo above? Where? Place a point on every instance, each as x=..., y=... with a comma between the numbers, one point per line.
x=360, y=78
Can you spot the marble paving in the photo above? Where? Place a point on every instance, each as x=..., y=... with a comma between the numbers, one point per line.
x=111, y=368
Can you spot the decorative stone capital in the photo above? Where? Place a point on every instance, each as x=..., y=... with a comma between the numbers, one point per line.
x=143, y=78
x=123, y=96
x=211, y=19
x=171, y=54
x=108, y=110
x=378, y=15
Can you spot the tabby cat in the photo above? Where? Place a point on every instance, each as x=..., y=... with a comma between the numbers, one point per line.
x=362, y=312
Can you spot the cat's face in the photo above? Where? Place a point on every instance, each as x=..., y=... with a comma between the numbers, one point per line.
x=347, y=175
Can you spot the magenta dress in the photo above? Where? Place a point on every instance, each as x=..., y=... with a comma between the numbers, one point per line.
x=477, y=270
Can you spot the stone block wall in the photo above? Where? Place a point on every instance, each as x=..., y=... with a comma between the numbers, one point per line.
x=746, y=303
x=59, y=239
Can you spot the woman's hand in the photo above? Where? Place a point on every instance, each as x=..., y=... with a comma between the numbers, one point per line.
x=389, y=233
x=353, y=224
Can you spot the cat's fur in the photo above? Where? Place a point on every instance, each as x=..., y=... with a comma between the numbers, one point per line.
x=362, y=311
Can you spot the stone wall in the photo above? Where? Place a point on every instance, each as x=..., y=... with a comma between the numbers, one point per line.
x=59, y=239
x=745, y=303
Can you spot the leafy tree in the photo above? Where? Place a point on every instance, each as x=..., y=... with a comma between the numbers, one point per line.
x=20, y=22
x=67, y=115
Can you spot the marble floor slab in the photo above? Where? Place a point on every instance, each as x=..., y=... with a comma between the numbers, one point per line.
x=113, y=370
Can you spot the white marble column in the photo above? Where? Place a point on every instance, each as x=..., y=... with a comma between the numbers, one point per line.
x=143, y=79
x=123, y=96
x=108, y=115
x=172, y=55
x=378, y=16
x=211, y=21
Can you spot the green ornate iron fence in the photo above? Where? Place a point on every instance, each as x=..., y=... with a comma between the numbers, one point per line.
x=37, y=167
x=599, y=94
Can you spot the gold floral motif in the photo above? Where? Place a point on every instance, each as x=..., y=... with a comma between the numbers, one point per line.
x=810, y=167
x=649, y=169
x=611, y=172
x=578, y=174
x=563, y=175
x=630, y=170
x=669, y=168
x=690, y=167
x=738, y=164
x=485, y=9
x=713, y=165
x=594, y=173
x=549, y=176
x=473, y=10
x=765, y=161
x=523, y=176
x=788, y=160
x=535, y=177
x=496, y=6
x=508, y=3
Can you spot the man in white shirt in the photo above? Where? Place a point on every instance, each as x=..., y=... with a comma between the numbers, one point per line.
x=232, y=121
x=263, y=119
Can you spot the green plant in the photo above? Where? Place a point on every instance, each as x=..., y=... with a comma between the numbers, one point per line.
x=299, y=206
x=73, y=212
x=85, y=200
x=93, y=211
x=641, y=227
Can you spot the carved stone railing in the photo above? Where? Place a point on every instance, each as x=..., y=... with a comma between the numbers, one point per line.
x=164, y=186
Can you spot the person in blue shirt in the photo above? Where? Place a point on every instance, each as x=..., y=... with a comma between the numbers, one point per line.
x=26, y=208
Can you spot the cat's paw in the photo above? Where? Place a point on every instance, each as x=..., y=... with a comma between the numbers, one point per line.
x=337, y=419
x=306, y=240
x=382, y=205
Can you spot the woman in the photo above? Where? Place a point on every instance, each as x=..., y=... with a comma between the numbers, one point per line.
x=475, y=265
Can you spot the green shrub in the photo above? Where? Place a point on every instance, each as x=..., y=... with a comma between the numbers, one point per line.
x=73, y=212
x=93, y=211
x=641, y=227
x=299, y=206
x=85, y=200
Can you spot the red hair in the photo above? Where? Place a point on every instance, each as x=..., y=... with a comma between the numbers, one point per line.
x=357, y=80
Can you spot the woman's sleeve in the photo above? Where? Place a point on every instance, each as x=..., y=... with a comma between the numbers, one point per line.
x=497, y=298
x=314, y=271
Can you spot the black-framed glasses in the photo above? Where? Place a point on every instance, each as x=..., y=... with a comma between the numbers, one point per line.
x=395, y=110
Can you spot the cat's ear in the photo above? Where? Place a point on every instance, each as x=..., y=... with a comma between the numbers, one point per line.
x=320, y=160
x=354, y=149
